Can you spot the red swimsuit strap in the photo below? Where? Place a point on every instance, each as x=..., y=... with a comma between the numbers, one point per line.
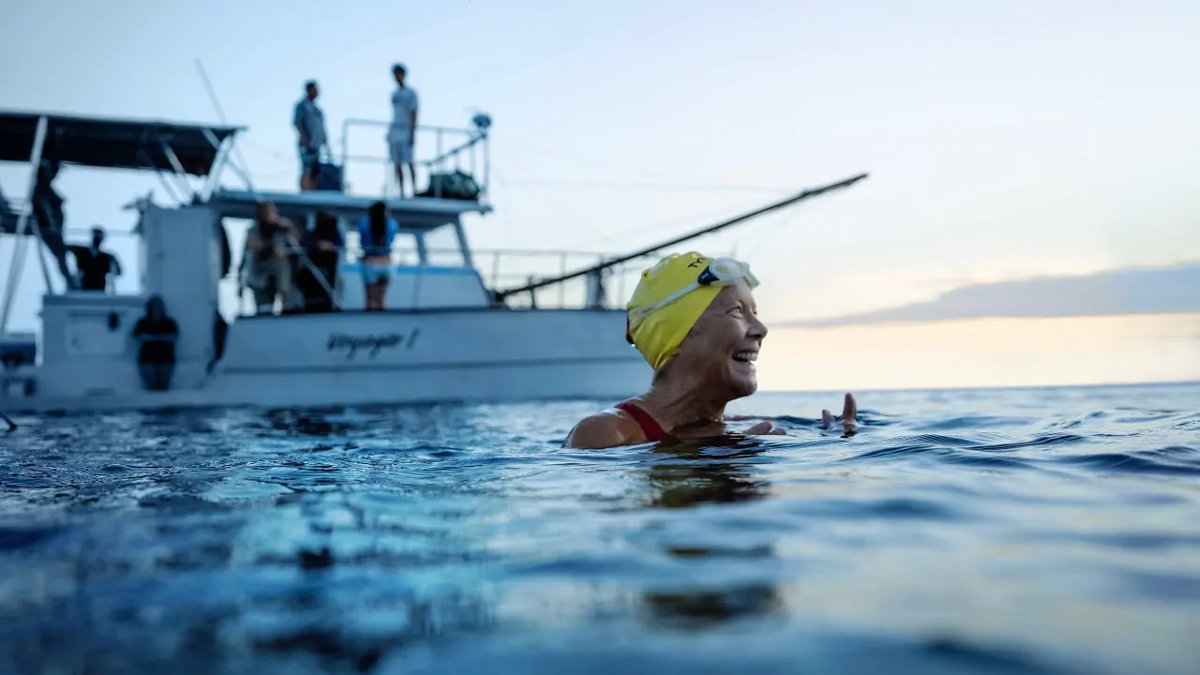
x=652, y=429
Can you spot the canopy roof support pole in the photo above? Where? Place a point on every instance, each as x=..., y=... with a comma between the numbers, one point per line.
x=144, y=159
x=218, y=165
x=14, y=269
x=462, y=243
x=167, y=187
x=42, y=263
x=422, y=249
x=180, y=174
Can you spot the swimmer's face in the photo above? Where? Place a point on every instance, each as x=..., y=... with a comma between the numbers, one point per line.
x=724, y=343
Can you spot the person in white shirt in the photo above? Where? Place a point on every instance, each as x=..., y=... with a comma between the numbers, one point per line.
x=402, y=132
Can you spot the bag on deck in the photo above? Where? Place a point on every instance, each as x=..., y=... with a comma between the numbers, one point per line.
x=329, y=177
x=456, y=185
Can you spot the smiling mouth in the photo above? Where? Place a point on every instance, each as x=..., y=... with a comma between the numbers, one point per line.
x=747, y=356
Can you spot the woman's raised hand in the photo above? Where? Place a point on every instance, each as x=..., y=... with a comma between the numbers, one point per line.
x=849, y=417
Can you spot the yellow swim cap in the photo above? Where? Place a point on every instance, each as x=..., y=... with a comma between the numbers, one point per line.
x=657, y=334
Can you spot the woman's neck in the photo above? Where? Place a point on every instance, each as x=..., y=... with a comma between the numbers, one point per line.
x=681, y=402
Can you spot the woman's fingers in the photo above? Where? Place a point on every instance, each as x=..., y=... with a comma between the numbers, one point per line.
x=850, y=416
x=766, y=428
x=759, y=429
x=850, y=409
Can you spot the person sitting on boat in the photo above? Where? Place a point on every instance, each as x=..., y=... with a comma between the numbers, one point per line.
x=156, y=333
x=375, y=234
x=269, y=271
x=694, y=320
x=94, y=264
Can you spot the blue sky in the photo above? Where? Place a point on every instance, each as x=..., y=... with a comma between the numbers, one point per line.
x=1014, y=140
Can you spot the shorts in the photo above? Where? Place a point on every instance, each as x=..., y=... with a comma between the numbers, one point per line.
x=271, y=278
x=309, y=158
x=400, y=147
x=375, y=272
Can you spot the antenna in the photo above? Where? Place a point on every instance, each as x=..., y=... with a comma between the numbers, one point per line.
x=212, y=95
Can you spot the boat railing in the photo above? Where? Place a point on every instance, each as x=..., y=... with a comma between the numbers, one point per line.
x=438, y=153
x=501, y=269
x=509, y=268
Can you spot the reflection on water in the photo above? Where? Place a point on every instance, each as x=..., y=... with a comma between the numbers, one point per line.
x=691, y=474
x=1048, y=530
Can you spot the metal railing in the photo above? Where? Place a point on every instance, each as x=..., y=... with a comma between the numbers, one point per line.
x=453, y=149
x=506, y=268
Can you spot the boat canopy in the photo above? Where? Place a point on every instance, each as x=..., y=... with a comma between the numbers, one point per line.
x=418, y=213
x=114, y=143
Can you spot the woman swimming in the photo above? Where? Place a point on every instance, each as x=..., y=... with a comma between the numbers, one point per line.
x=694, y=320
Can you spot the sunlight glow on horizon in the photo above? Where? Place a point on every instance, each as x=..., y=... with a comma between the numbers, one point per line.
x=984, y=352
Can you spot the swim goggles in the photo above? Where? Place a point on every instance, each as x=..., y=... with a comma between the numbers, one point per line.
x=721, y=271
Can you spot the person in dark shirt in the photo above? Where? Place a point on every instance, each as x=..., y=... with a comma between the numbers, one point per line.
x=48, y=209
x=156, y=333
x=95, y=265
x=323, y=246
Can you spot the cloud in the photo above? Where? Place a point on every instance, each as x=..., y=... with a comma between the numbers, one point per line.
x=1109, y=293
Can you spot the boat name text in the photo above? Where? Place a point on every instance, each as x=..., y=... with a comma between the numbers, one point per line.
x=371, y=344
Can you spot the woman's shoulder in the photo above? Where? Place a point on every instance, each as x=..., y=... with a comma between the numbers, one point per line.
x=607, y=429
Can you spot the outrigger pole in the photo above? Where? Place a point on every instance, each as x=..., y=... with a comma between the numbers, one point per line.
x=595, y=269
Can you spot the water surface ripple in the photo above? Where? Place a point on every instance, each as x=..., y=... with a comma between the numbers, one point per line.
x=985, y=531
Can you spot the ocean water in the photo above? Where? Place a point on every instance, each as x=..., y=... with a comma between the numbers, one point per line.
x=981, y=531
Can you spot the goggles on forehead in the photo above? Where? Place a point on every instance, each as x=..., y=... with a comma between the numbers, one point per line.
x=719, y=272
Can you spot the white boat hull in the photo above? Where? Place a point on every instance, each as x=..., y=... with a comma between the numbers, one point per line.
x=338, y=359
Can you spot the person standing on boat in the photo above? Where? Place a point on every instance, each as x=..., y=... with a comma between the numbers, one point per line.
x=402, y=134
x=94, y=264
x=269, y=272
x=48, y=209
x=309, y=121
x=695, y=322
x=156, y=333
x=375, y=234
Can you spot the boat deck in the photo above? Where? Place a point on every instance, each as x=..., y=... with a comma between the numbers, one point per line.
x=415, y=213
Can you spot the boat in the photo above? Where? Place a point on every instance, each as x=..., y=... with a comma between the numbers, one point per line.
x=446, y=334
